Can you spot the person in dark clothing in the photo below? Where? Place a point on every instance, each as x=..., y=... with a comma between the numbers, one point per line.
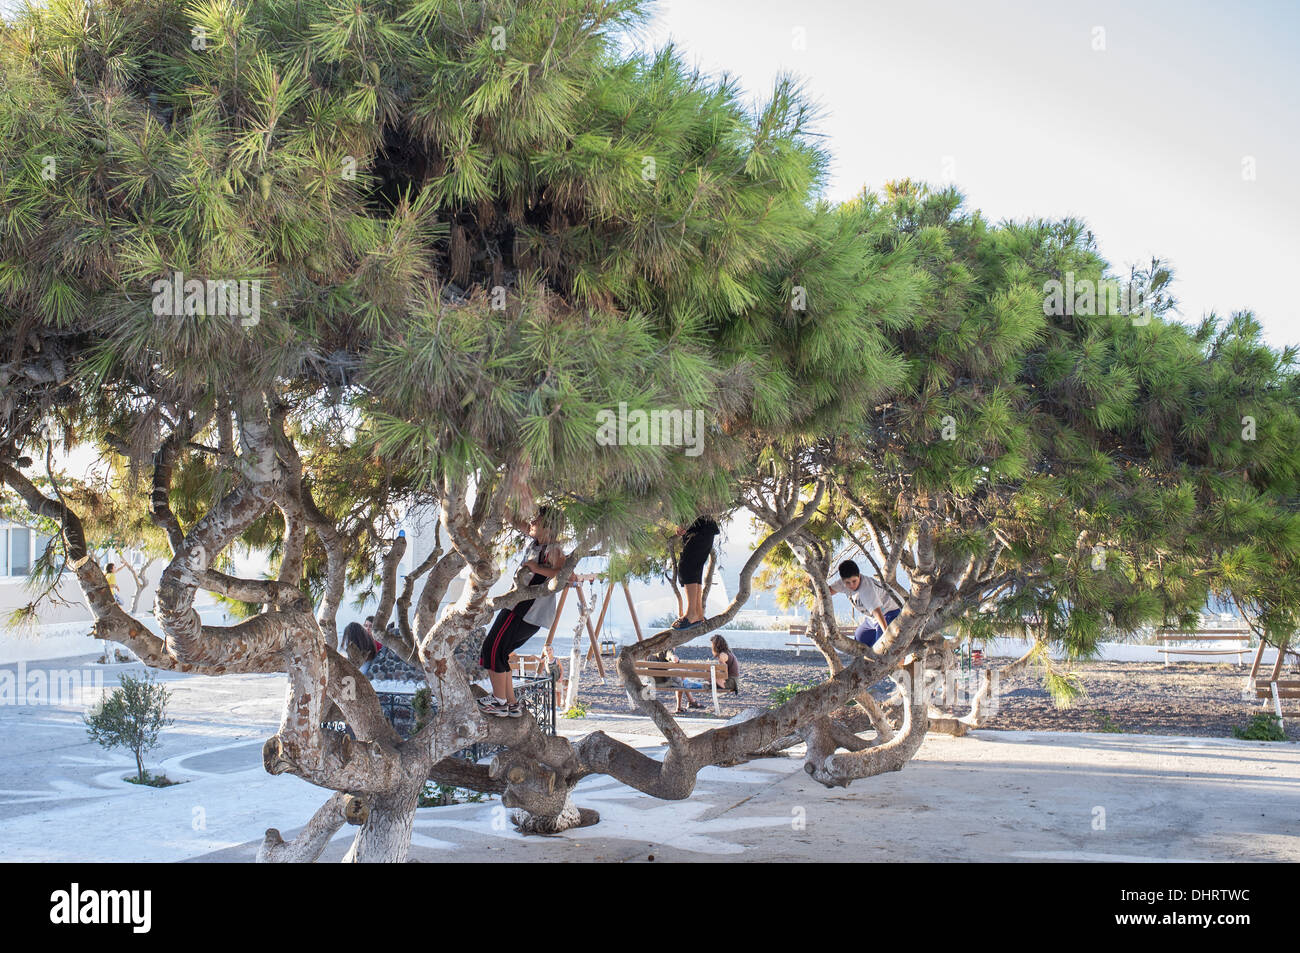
x=723, y=652
x=697, y=543
x=358, y=646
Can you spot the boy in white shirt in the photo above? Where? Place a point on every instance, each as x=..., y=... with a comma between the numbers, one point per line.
x=877, y=604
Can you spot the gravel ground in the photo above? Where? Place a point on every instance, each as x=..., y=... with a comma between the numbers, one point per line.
x=1187, y=698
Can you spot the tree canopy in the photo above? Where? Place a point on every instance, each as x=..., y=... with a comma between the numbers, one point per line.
x=299, y=268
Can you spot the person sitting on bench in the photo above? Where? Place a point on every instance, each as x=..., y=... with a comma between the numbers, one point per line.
x=877, y=604
x=684, y=686
x=724, y=654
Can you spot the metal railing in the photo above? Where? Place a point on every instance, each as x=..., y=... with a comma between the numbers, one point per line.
x=536, y=693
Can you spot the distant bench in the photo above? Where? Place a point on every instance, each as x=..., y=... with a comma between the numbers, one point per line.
x=799, y=630
x=1201, y=636
x=700, y=671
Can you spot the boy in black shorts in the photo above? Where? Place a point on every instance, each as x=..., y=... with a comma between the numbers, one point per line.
x=697, y=543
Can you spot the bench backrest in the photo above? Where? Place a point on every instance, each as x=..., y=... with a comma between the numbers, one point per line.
x=673, y=669
x=532, y=664
x=1205, y=635
x=799, y=629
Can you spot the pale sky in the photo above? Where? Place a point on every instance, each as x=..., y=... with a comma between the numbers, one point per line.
x=1145, y=118
x=1146, y=138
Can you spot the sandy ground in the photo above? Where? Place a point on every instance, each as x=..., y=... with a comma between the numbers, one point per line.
x=995, y=795
x=991, y=796
x=1187, y=698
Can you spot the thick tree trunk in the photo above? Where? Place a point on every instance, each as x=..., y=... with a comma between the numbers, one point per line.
x=539, y=772
x=836, y=770
x=385, y=834
x=569, y=817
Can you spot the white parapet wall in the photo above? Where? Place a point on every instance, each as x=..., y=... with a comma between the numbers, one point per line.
x=72, y=639
x=762, y=639
x=61, y=640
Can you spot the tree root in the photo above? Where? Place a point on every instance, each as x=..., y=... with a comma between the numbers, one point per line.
x=830, y=769
x=311, y=840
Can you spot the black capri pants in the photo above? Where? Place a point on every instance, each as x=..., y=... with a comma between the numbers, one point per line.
x=695, y=553
x=508, y=632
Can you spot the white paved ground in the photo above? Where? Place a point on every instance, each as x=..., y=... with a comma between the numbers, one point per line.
x=990, y=796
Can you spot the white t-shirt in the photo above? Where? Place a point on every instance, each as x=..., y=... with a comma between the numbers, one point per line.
x=870, y=596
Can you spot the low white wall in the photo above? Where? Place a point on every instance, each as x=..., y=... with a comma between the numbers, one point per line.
x=62, y=640
x=761, y=639
x=1125, y=652
x=68, y=640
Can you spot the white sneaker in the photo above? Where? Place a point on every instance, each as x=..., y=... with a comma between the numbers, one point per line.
x=491, y=705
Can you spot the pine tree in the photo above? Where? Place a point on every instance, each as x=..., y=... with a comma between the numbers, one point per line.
x=305, y=268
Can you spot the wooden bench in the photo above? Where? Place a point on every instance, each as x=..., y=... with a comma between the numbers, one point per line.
x=799, y=630
x=1286, y=688
x=699, y=671
x=1201, y=636
x=1273, y=687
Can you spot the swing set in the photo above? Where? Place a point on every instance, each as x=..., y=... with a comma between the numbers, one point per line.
x=588, y=603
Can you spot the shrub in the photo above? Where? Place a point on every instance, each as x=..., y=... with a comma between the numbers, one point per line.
x=1263, y=726
x=131, y=717
x=440, y=795
x=783, y=694
x=422, y=705
x=1108, y=724
x=579, y=710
